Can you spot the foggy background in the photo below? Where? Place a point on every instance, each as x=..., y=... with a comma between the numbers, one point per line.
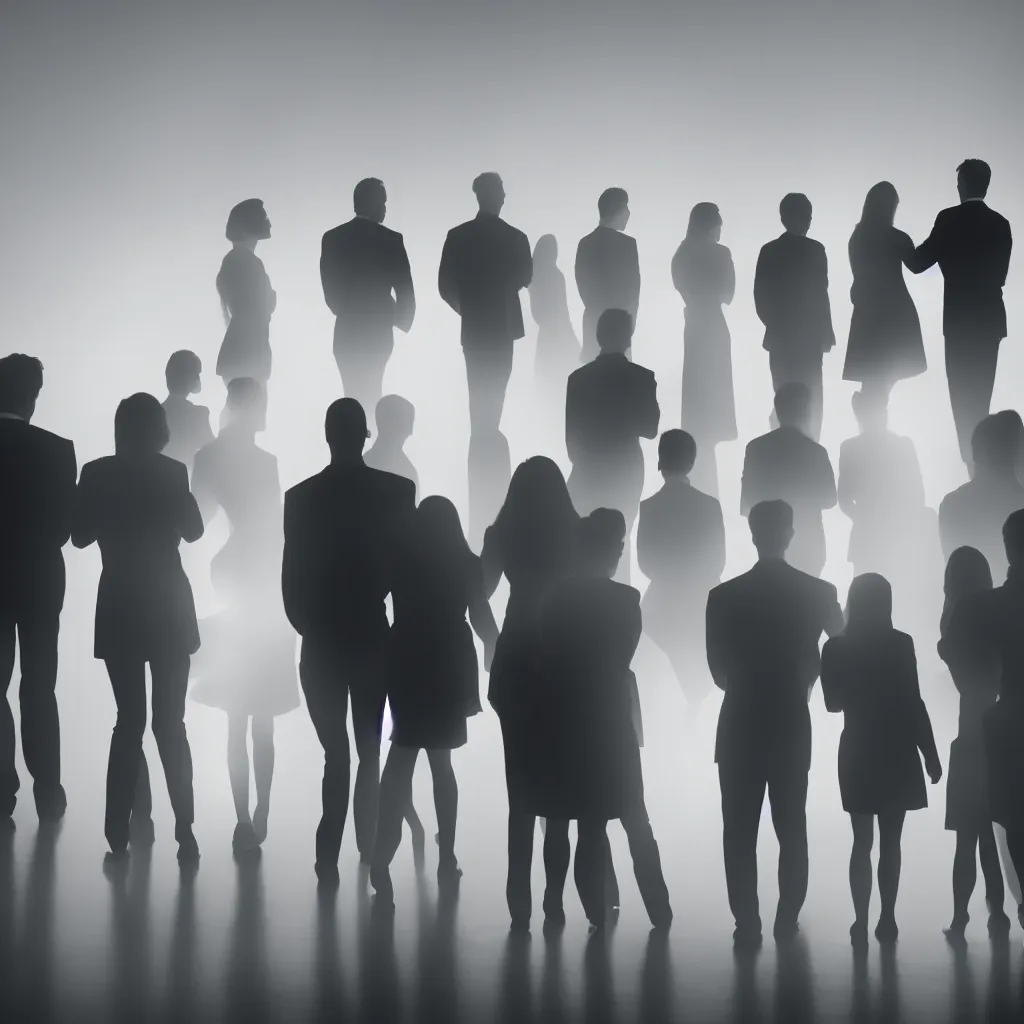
x=130, y=129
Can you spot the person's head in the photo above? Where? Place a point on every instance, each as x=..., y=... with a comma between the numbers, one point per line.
x=795, y=213
x=600, y=541
x=394, y=417
x=996, y=442
x=880, y=205
x=438, y=528
x=771, y=528
x=537, y=516
x=21, y=380
x=677, y=452
x=613, y=208
x=182, y=373
x=967, y=573
x=345, y=429
x=140, y=426
x=246, y=406
x=545, y=252
x=869, y=604
x=370, y=199
x=489, y=190
x=871, y=409
x=248, y=222
x=1013, y=539
x=705, y=222
x=972, y=179
x=614, y=330
x=793, y=405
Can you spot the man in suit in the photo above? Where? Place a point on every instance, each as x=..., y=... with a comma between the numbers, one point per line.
x=763, y=631
x=609, y=405
x=39, y=474
x=971, y=243
x=791, y=299
x=367, y=284
x=342, y=528
x=485, y=263
x=607, y=267
x=786, y=464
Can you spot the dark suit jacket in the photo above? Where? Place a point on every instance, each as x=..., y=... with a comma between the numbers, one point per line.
x=608, y=272
x=484, y=264
x=971, y=244
x=342, y=533
x=763, y=631
x=366, y=279
x=37, y=473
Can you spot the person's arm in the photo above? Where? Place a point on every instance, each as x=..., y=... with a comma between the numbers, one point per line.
x=832, y=677
x=492, y=564
x=728, y=290
x=925, y=735
x=295, y=579
x=846, y=491
x=716, y=640
x=646, y=549
x=716, y=543
x=85, y=518
x=524, y=262
x=447, y=275
x=650, y=411
x=1001, y=257
x=635, y=625
x=191, y=522
x=833, y=622
x=574, y=443
x=65, y=488
x=331, y=276
x=829, y=334
x=405, y=296
x=828, y=495
x=481, y=617
x=585, y=283
x=926, y=255
x=764, y=290
x=633, y=281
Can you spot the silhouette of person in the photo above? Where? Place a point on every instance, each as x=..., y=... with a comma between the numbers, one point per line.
x=763, y=629
x=394, y=416
x=791, y=299
x=489, y=471
x=787, y=464
x=971, y=514
x=246, y=666
x=609, y=405
x=531, y=544
x=484, y=264
x=342, y=529
x=367, y=283
x=38, y=470
x=590, y=629
x=434, y=681
x=188, y=423
x=885, y=343
x=680, y=546
x=137, y=507
x=246, y=297
x=971, y=243
x=558, y=348
x=607, y=268
x=869, y=674
x=704, y=275
x=975, y=674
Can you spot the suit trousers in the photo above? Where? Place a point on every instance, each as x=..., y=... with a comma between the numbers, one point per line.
x=798, y=368
x=970, y=375
x=362, y=362
x=488, y=369
x=329, y=677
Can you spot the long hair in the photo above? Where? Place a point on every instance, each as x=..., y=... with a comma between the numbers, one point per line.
x=545, y=252
x=967, y=573
x=879, y=206
x=436, y=543
x=869, y=604
x=704, y=218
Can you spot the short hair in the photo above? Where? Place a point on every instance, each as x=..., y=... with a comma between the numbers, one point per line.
x=868, y=401
x=367, y=194
x=614, y=329
x=1013, y=537
x=395, y=412
x=21, y=380
x=677, y=451
x=486, y=182
x=770, y=522
x=244, y=392
x=975, y=174
x=246, y=221
x=704, y=218
x=182, y=369
x=600, y=534
x=611, y=201
x=997, y=439
x=795, y=207
x=345, y=424
x=140, y=425
x=792, y=402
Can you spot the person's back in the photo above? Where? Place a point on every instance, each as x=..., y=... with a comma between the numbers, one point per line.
x=606, y=270
x=791, y=295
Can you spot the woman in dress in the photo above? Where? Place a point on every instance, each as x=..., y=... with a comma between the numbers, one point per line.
x=434, y=680
x=558, y=348
x=869, y=674
x=704, y=275
x=246, y=297
x=247, y=666
x=885, y=344
x=136, y=505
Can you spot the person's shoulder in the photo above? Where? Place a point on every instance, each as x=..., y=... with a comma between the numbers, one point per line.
x=902, y=641
x=772, y=245
x=642, y=373
x=390, y=483
x=706, y=504
x=824, y=592
x=624, y=593
x=761, y=443
x=172, y=469
x=100, y=467
x=306, y=489
x=48, y=439
x=958, y=496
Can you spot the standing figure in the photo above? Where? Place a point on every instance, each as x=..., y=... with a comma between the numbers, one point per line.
x=971, y=243
x=246, y=666
x=246, y=297
x=607, y=268
x=367, y=283
x=869, y=673
x=136, y=505
x=38, y=470
x=394, y=417
x=188, y=423
x=791, y=298
x=558, y=348
x=704, y=275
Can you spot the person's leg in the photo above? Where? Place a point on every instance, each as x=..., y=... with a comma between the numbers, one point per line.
x=787, y=792
x=446, y=806
x=9, y=781
x=128, y=681
x=395, y=795
x=238, y=765
x=965, y=875
x=650, y=878
x=1009, y=871
x=141, y=825
x=521, y=825
x=590, y=868
x=890, y=860
x=557, y=854
x=743, y=786
x=970, y=375
x=995, y=891
x=488, y=369
x=263, y=770
x=367, y=727
x=1015, y=849
x=860, y=873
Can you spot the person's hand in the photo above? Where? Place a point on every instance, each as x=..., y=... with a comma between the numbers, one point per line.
x=488, y=656
x=934, y=769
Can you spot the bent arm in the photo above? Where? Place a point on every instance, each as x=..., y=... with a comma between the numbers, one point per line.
x=447, y=279
x=85, y=518
x=492, y=563
x=405, y=296
x=64, y=499
x=716, y=641
x=331, y=277
x=295, y=580
x=832, y=678
x=926, y=255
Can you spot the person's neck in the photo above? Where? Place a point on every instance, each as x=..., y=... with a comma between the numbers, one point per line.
x=484, y=212
x=610, y=225
x=15, y=414
x=346, y=460
x=676, y=479
x=394, y=445
x=249, y=245
x=175, y=396
x=771, y=556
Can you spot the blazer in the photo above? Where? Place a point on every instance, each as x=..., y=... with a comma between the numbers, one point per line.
x=608, y=271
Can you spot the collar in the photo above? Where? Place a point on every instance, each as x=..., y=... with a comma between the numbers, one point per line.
x=12, y=416
x=972, y=199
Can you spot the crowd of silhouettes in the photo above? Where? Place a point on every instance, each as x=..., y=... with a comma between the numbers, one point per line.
x=322, y=560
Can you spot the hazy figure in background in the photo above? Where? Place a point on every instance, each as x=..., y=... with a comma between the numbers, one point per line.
x=975, y=674
x=136, y=505
x=763, y=630
x=590, y=630
x=531, y=543
x=38, y=471
x=869, y=674
x=971, y=243
x=791, y=299
x=704, y=275
x=609, y=405
x=395, y=417
x=188, y=423
x=490, y=471
x=680, y=547
x=607, y=268
x=246, y=297
x=786, y=464
x=484, y=264
x=558, y=348
x=246, y=666
x=367, y=283
x=885, y=344
x=434, y=679
x=343, y=529
x=971, y=515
